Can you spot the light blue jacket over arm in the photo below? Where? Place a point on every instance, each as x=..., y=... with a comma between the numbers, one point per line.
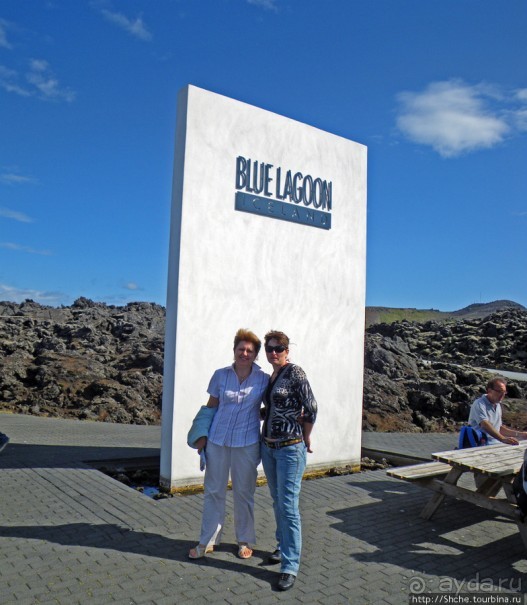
x=201, y=425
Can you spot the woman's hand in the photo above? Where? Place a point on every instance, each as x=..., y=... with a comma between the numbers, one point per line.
x=200, y=443
x=307, y=428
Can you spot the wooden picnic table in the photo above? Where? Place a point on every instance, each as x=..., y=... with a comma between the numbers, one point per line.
x=493, y=467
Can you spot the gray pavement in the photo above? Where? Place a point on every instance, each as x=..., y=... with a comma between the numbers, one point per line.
x=70, y=534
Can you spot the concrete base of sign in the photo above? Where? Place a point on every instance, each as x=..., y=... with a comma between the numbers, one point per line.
x=292, y=259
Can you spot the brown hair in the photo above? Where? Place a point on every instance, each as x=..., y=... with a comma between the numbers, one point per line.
x=491, y=384
x=247, y=336
x=279, y=336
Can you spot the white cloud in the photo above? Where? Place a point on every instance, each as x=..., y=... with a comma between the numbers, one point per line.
x=454, y=118
x=39, y=79
x=131, y=286
x=136, y=28
x=40, y=82
x=16, y=216
x=8, y=82
x=42, y=78
x=520, y=119
x=20, y=248
x=268, y=4
x=12, y=177
x=19, y=295
x=519, y=114
x=4, y=43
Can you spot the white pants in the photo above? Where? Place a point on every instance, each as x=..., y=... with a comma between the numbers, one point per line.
x=242, y=463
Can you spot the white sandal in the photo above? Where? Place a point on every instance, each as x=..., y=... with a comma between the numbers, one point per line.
x=244, y=551
x=199, y=551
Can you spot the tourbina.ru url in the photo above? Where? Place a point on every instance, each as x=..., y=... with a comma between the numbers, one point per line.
x=466, y=599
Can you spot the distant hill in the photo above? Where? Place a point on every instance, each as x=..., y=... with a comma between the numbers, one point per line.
x=481, y=310
x=375, y=315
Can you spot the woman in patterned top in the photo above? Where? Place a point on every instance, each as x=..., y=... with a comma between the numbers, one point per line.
x=233, y=445
x=290, y=412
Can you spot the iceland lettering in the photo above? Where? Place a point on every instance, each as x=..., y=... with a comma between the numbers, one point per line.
x=297, y=197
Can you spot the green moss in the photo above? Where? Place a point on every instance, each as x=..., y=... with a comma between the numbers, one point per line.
x=420, y=315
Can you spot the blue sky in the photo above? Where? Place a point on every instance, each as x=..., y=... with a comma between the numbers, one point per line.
x=436, y=89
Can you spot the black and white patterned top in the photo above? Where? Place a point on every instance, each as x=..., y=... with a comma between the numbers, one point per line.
x=286, y=399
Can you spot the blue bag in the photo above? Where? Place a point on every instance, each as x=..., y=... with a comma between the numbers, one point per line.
x=470, y=437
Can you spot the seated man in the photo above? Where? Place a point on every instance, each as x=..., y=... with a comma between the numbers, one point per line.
x=485, y=414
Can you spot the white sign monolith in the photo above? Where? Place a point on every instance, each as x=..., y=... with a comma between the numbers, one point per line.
x=268, y=231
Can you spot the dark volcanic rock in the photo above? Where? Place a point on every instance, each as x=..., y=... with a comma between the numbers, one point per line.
x=497, y=341
x=423, y=377
x=88, y=361
x=100, y=362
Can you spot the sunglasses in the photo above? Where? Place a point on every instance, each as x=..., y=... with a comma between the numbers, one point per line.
x=276, y=349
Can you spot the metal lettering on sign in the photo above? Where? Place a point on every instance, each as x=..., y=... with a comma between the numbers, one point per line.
x=298, y=197
x=287, y=212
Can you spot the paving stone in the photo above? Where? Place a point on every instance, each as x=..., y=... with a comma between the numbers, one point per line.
x=69, y=534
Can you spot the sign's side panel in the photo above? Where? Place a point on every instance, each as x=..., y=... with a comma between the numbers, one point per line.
x=168, y=426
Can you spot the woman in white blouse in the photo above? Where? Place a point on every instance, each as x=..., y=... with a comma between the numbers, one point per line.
x=233, y=446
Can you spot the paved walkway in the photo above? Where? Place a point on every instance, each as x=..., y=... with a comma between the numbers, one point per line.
x=71, y=535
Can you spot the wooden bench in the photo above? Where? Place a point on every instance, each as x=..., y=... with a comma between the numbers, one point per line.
x=425, y=474
x=492, y=468
x=425, y=470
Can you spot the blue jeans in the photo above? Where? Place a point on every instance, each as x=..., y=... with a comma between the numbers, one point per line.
x=284, y=469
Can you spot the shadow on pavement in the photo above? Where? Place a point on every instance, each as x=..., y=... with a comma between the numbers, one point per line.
x=62, y=456
x=390, y=523
x=116, y=538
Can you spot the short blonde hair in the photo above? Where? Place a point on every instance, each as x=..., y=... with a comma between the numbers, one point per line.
x=247, y=336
